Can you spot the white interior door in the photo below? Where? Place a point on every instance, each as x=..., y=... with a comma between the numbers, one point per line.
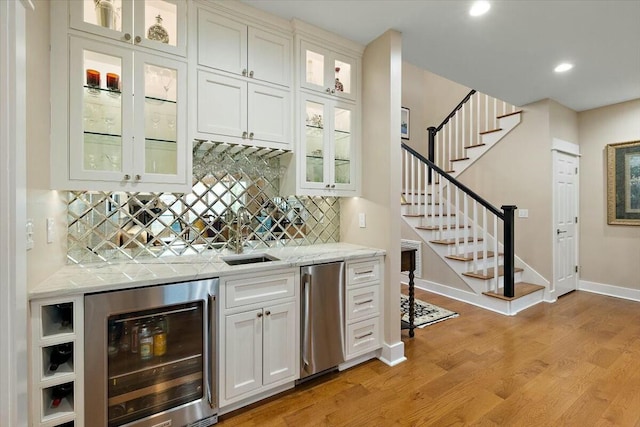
x=565, y=218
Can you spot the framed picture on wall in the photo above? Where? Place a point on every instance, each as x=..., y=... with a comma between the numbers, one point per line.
x=623, y=183
x=404, y=123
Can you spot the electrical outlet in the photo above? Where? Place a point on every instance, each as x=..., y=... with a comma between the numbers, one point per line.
x=29, y=233
x=50, y=230
x=523, y=213
x=362, y=220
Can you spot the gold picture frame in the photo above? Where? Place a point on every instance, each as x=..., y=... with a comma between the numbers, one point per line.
x=623, y=183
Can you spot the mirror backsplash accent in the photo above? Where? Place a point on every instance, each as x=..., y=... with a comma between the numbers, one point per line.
x=105, y=226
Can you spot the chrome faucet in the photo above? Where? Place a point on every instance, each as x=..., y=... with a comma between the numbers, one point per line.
x=242, y=220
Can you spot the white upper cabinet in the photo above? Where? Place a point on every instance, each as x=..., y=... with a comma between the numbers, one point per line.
x=154, y=24
x=237, y=48
x=327, y=71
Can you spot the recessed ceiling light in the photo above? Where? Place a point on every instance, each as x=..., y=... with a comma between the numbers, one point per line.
x=479, y=8
x=561, y=68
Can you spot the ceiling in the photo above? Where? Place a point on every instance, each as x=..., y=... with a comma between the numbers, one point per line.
x=508, y=53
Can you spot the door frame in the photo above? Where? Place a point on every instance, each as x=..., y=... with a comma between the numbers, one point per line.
x=571, y=149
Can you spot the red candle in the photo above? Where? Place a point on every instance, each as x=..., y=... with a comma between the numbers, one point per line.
x=113, y=81
x=93, y=78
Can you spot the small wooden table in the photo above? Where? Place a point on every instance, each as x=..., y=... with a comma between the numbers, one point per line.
x=408, y=263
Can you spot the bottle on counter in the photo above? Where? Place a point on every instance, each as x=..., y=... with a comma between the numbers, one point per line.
x=145, y=342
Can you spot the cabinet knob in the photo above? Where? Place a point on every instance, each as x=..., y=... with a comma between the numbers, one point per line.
x=259, y=314
x=127, y=177
x=326, y=186
x=251, y=73
x=251, y=135
x=333, y=186
x=138, y=39
x=244, y=72
x=328, y=90
x=138, y=177
x=333, y=91
x=127, y=36
x=244, y=135
x=267, y=312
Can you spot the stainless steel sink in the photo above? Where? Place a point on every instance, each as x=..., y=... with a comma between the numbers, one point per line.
x=248, y=259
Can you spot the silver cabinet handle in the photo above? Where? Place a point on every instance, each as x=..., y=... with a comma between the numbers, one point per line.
x=138, y=39
x=559, y=232
x=244, y=72
x=266, y=313
x=138, y=177
x=364, y=302
x=364, y=272
x=244, y=135
x=333, y=91
x=127, y=36
x=328, y=90
x=333, y=186
x=250, y=73
x=260, y=314
x=251, y=135
x=326, y=186
x=127, y=177
x=306, y=319
x=364, y=336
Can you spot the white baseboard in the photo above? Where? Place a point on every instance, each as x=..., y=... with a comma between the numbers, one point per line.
x=393, y=354
x=610, y=290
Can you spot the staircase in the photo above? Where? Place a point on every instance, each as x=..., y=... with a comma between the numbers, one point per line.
x=458, y=224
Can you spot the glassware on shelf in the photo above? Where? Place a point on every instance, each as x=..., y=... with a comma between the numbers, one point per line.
x=113, y=82
x=157, y=32
x=338, y=85
x=106, y=14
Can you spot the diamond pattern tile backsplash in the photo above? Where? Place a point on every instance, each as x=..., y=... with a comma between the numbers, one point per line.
x=235, y=198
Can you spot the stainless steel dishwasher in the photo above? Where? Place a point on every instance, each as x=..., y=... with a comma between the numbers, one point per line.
x=322, y=318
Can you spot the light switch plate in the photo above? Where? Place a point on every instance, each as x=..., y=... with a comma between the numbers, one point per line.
x=362, y=220
x=50, y=230
x=523, y=213
x=29, y=233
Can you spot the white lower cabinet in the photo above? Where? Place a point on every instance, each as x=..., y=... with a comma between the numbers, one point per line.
x=363, y=311
x=259, y=335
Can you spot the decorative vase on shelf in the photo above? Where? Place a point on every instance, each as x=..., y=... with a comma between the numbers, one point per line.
x=338, y=86
x=105, y=13
x=158, y=32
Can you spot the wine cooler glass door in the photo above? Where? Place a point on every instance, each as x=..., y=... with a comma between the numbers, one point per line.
x=157, y=358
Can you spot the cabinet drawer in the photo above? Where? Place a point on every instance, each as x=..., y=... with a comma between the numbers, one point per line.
x=363, y=337
x=362, y=272
x=363, y=302
x=258, y=289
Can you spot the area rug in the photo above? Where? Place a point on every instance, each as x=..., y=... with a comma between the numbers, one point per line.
x=425, y=313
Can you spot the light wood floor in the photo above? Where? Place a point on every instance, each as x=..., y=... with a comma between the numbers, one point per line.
x=572, y=363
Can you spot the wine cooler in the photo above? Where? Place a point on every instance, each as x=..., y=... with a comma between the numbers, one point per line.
x=150, y=356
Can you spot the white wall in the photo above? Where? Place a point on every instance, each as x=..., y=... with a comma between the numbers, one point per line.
x=609, y=254
x=381, y=93
x=42, y=203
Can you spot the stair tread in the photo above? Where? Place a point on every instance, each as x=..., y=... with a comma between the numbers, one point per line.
x=479, y=274
x=490, y=131
x=513, y=113
x=520, y=289
x=452, y=241
x=460, y=159
x=474, y=146
x=436, y=227
x=469, y=257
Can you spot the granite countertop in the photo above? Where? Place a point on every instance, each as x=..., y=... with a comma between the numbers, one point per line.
x=109, y=276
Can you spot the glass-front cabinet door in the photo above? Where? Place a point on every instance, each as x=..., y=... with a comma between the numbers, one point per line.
x=328, y=145
x=156, y=24
x=101, y=111
x=161, y=131
x=328, y=72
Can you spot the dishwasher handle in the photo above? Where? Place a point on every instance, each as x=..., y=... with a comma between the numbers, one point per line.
x=306, y=319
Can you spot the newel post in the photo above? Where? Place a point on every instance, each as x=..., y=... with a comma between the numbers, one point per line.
x=509, y=250
x=431, y=155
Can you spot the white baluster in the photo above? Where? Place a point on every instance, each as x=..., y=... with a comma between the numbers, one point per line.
x=465, y=225
x=495, y=113
x=445, y=167
x=464, y=123
x=456, y=233
x=413, y=185
x=420, y=197
x=475, y=235
x=441, y=203
x=457, y=138
x=478, y=140
x=484, y=240
x=486, y=112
